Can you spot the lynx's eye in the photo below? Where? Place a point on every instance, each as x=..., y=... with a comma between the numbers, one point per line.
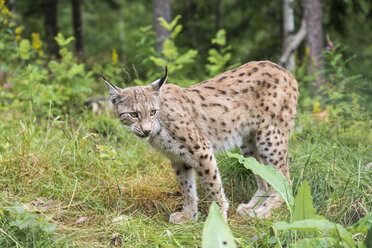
x=153, y=112
x=133, y=114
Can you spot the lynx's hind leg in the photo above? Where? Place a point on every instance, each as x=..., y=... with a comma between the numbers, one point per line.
x=249, y=149
x=271, y=149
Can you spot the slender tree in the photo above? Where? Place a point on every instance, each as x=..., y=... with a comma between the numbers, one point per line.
x=219, y=15
x=49, y=8
x=288, y=28
x=314, y=37
x=161, y=9
x=290, y=40
x=12, y=6
x=78, y=27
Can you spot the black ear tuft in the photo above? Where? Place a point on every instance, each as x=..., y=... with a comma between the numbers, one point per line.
x=114, y=91
x=158, y=83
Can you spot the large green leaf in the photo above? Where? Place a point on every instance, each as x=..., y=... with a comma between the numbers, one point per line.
x=176, y=31
x=171, y=25
x=270, y=175
x=220, y=38
x=303, y=204
x=216, y=232
x=362, y=225
x=175, y=21
x=317, y=225
x=48, y=227
x=62, y=41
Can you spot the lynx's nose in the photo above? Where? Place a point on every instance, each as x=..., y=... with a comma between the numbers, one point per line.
x=146, y=129
x=146, y=132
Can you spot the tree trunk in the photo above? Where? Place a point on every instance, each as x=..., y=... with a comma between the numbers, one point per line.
x=292, y=43
x=314, y=38
x=12, y=6
x=50, y=21
x=161, y=9
x=219, y=15
x=288, y=29
x=78, y=27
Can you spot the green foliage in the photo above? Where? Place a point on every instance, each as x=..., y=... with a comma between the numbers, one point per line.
x=24, y=49
x=171, y=56
x=305, y=220
x=63, y=42
x=216, y=232
x=145, y=49
x=315, y=225
x=23, y=227
x=9, y=34
x=270, y=175
x=316, y=243
x=24, y=219
x=303, y=204
x=219, y=59
x=368, y=240
x=55, y=87
x=340, y=87
x=362, y=225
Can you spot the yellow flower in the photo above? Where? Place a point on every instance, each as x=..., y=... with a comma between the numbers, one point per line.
x=5, y=21
x=36, y=42
x=18, y=30
x=316, y=108
x=18, y=37
x=2, y=2
x=5, y=11
x=114, y=56
x=40, y=53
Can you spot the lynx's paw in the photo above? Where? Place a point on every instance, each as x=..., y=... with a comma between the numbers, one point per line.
x=260, y=212
x=182, y=217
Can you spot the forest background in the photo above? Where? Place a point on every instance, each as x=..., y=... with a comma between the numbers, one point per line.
x=70, y=175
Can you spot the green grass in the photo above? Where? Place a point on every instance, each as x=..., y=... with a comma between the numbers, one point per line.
x=89, y=166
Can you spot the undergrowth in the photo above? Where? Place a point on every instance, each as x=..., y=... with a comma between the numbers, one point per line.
x=69, y=167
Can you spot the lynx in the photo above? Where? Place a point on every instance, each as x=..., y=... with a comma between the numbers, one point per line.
x=252, y=107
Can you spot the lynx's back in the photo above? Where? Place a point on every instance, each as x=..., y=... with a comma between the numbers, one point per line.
x=234, y=103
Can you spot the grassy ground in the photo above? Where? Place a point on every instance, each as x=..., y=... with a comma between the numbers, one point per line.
x=82, y=172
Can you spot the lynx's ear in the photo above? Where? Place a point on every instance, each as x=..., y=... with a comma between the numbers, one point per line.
x=156, y=85
x=114, y=91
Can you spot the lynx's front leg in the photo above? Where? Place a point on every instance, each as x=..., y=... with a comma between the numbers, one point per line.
x=186, y=179
x=210, y=179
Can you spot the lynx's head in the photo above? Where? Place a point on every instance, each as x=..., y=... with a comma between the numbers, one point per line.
x=138, y=107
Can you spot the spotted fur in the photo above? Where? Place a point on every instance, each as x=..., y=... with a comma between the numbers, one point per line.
x=252, y=107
